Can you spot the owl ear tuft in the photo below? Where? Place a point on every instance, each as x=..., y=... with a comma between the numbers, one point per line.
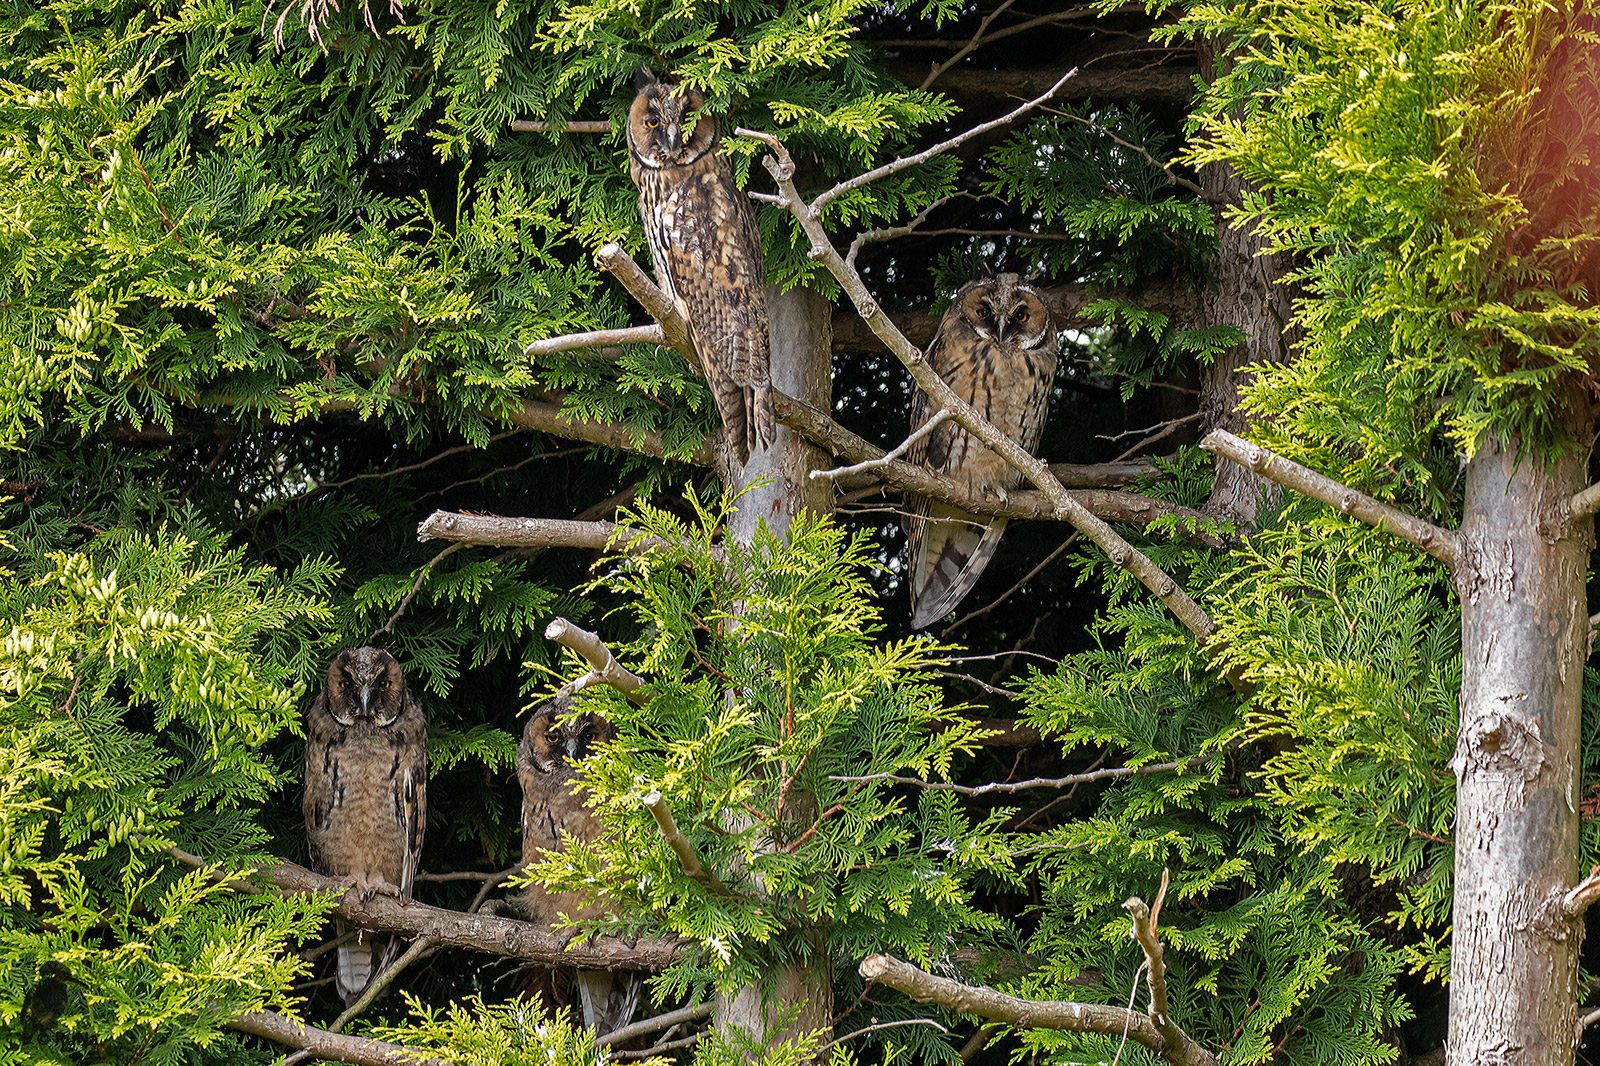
x=645, y=78
x=981, y=269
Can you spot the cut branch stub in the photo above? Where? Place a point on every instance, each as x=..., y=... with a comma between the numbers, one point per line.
x=688, y=858
x=603, y=666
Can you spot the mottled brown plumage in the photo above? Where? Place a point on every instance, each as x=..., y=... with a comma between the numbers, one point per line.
x=554, y=742
x=366, y=787
x=706, y=250
x=996, y=348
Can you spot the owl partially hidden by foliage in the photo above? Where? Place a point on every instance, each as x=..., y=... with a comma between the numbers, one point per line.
x=996, y=348
x=366, y=801
x=554, y=742
x=706, y=250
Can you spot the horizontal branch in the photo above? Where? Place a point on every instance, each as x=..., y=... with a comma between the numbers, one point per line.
x=334, y=1047
x=599, y=338
x=996, y=1006
x=550, y=418
x=651, y=1025
x=1105, y=504
x=491, y=935
x=977, y=88
x=1438, y=542
x=1023, y=786
x=496, y=531
x=603, y=666
x=581, y=125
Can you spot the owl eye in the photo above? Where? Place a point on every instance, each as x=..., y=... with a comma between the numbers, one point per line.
x=652, y=123
x=555, y=735
x=1022, y=317
x=385, y=681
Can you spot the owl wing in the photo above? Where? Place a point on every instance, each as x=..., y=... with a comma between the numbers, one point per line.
x=949, y=548
x=410, y=785
x=320, y=777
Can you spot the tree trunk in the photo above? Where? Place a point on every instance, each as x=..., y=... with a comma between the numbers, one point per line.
x=1241, y=291
x=1524, y=638
x=801, y=325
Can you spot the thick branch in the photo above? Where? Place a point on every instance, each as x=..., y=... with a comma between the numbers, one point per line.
x=582, y=125
x=997, y=1006
x=1582, y=895
x=1586, y=502
x=908, y=477
x=614, y=260
x=651, y=334
x=333, y=1047
x=473, y=932
x=977, y=88
x=651, y=1025
x=1438, y=542
x=688, y=858
x=496, y=531
x=1123, y=554
x=603, y=666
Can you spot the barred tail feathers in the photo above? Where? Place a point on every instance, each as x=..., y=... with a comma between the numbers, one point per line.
x=948, y=556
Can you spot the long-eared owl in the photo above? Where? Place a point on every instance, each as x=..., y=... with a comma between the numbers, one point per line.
x=554, y=742
x=366, y=788
x=996, y=348
x=706, y=250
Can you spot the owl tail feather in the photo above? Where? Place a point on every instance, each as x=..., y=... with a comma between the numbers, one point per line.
x=609, y=999
x=948, y=558
x=763, y=419
x=362, y=959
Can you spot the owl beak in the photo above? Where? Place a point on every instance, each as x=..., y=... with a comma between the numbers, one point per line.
x=674, y=136
x=366, y=698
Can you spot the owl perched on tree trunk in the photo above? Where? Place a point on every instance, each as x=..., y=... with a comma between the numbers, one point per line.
x=996, y=348
x=547, y=768
x=366, y=794
x=706, y=250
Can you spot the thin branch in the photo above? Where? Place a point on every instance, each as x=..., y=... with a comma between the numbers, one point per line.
x=464, y=875
x=1037, y=782
x=816, y=206
x=489, y=934
x=1013, y=590
x=651, y=334
x=880, y=1025
x=612, y=259
x=375, y=987
x=671, y=1045
x=966, y=49
x=581, y=125
x=943, y=415
x=603, y=666
x=1583, y=1023
x=328, y=486
x=1123, y=554
x=866, y=237
x=322, y=1044
x=1438, y=542
x=977, y=1041
x=1172, y=178
x=688, y=859
x=416, y=586
x=695, y=1013
x=996, y=1006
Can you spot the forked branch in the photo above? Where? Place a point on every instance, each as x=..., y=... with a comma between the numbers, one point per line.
x=1181, y=1047
x=322, y=1044
x=1438, y=542
x=603, y=666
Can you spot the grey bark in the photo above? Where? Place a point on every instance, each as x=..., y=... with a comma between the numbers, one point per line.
x=799, y=996
x=1514, y=990
x=1241, y=291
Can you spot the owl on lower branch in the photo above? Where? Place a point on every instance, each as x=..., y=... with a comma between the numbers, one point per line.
x=554, y=742
x=706, y=250
x=996, y=348
x=366, y=788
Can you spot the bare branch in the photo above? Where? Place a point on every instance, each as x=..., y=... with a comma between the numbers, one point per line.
x=1038, y=782
x=1179, y=1045
x=603, y=665
x=422, y=946
x=1579, y=898
x=996, y=1006
x=416, y=586
x=582, y=125
x=322, y=1044
x=1172, y=177
x=966, y=49
x=814, y=210
x=866, y=237
x=671, y=1045
x=474, y=932
x=881, y=1025
x=1013, y=590
x=502, y=532
x=688, y=859
x=468, y=875
x=651, y=334
x=1438, y=542
x=695, y=1013
x=613, y=259
x=943, y=415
